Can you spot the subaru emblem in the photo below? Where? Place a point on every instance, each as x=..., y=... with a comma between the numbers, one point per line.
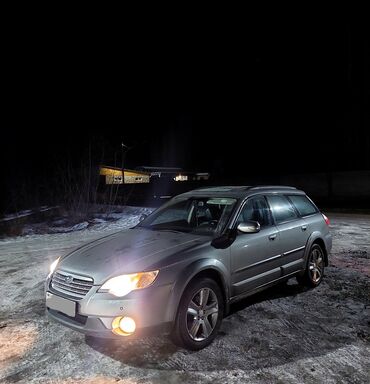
x=68, y=279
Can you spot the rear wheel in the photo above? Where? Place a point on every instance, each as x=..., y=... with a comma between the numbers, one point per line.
x=314, y=271
x=199, y=315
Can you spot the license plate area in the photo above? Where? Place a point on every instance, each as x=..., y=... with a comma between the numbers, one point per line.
x=68, y=307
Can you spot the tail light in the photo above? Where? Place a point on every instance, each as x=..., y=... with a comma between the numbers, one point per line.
x=327, y=221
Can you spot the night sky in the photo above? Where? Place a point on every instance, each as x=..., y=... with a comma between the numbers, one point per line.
x=270, y=100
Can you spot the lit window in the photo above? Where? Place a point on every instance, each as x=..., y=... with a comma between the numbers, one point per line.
x=181, y=178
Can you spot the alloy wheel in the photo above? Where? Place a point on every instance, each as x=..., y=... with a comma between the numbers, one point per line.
x=316, y=265
x=202, y=314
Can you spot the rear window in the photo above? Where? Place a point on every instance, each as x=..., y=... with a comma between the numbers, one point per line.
x=303, y=205
x=281, y=208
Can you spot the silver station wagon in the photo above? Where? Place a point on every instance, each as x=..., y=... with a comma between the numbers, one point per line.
x=181, y=267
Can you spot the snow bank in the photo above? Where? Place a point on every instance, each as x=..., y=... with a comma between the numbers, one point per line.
x=120, y=218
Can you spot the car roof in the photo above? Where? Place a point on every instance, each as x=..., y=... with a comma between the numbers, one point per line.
x=241, y=190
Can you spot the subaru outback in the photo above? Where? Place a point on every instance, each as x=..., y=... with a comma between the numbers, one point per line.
x=179, y=270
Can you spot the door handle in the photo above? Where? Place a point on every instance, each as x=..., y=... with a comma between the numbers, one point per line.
x=272, y=237
x=304, y=227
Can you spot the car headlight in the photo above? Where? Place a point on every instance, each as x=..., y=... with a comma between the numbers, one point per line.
x=124, y=284
x=53, y=265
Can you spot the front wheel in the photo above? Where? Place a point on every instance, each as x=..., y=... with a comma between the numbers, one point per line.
x=314, y=271
x=199, y=315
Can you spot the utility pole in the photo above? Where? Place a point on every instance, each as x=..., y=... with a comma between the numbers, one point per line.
x=124, y=149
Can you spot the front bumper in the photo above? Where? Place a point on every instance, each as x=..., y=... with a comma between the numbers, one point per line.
x=93, y=326
x=96, y=311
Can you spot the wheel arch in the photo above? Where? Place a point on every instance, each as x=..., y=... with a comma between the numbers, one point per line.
x=201, y=268
x=316, y=238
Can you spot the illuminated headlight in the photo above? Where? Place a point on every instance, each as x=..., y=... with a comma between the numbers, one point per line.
x=124, y=284
x=53, y=265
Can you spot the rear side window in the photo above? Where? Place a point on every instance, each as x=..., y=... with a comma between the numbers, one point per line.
x=303, y=205
x=281, y=208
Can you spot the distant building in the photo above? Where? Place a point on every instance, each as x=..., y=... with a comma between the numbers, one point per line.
x=145, y=174
x=173, y=173
x=114, y=175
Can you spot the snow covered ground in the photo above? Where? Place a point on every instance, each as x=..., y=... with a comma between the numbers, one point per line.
x=286, y=334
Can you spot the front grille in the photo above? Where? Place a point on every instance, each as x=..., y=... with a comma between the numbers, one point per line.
x=71, y=284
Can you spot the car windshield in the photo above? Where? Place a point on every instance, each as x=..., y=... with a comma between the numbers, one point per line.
x=198, y=215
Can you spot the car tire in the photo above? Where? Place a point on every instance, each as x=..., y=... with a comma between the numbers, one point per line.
x=315, y=266
x=199, y=314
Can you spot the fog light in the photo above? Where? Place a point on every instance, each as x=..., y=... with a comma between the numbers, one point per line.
x=127, y=325
x=123, y=326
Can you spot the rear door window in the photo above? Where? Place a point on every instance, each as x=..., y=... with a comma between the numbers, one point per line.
x=281, y=208
x=303, y=205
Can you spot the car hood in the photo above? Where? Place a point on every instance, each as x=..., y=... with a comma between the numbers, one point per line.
x=131, y=251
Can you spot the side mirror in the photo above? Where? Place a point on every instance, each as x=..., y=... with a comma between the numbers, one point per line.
x=142, y=217
x=249, y=226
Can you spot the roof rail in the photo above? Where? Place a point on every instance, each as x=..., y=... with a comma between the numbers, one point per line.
x=272, y=187
x=222, y=187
